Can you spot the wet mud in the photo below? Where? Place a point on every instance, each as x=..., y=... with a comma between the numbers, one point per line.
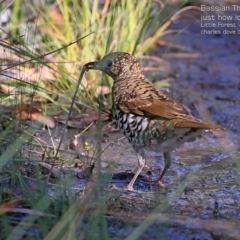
x=203, y=181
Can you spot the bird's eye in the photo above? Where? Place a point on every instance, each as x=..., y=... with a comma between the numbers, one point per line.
x=109, y=63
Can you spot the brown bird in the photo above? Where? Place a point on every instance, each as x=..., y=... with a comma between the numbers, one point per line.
x=147, y=117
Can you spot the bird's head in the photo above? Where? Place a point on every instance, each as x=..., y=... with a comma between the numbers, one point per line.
x=115, y=64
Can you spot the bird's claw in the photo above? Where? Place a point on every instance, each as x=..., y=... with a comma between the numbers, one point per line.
x=161, y=185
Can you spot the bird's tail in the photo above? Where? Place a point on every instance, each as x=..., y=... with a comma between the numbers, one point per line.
x=196, y=123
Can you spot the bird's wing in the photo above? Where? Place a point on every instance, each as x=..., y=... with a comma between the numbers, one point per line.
x=145, y=100
x=141, y=97
x=153, y=107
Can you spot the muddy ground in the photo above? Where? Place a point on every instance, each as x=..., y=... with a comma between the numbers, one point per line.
x=201, y=199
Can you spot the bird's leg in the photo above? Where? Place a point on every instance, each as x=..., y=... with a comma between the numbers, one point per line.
x=142, y=163
x=167, y=161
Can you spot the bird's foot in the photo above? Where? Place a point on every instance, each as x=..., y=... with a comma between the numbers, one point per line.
x=130, y=188
x=160, y=184
x=113, y=187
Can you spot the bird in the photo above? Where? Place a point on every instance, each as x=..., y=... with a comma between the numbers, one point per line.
x=146, y=115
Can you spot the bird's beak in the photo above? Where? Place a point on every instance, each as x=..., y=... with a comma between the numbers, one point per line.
x=92, y=65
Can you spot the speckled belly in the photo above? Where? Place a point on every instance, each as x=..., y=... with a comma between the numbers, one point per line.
x=134, y=128
x=156, y=135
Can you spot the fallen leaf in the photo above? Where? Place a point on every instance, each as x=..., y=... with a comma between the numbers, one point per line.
x=8, y=206
x=25, y=111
